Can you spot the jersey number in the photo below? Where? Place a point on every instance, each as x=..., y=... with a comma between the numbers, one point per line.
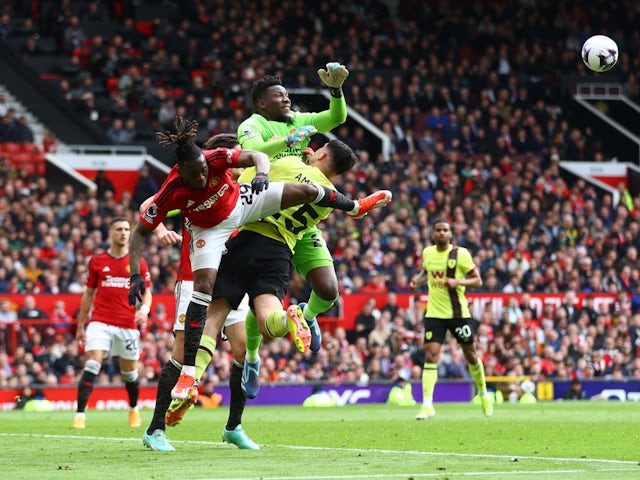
x=246, y=197
x=464, y=332
x=299, y=216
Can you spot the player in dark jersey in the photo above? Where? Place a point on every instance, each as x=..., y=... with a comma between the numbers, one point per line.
x=448, y=270
x=113, y=327
x=200, y=185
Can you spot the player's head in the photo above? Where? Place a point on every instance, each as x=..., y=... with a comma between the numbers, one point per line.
x=192, y=166
x=222, y=140
x=441, y=231
x=338, y=154
x=271, y=99
x=119, y=231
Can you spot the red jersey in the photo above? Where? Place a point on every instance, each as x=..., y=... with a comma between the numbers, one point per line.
x=110, y=277
x=204, y=208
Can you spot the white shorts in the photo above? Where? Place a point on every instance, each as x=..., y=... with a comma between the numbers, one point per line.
x=183, y=291
x=117, y=341
x=207, y=244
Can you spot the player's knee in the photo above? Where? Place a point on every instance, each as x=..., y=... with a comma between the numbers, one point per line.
x=326, y=287
x=92, y=366
x=130, y=377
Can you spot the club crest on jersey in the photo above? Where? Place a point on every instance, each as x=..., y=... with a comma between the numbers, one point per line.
x=200, y=243
x=214, y=181
x=451, y=263
x=181, y=318
x=428, y=335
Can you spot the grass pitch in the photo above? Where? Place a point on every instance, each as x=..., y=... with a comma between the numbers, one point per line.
x=570, y=440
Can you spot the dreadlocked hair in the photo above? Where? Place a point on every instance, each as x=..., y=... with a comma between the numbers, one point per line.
x=185, y=132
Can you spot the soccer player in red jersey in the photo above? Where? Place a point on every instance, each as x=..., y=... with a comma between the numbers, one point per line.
x=113, y=327
x=201, y=186
x=154, y=436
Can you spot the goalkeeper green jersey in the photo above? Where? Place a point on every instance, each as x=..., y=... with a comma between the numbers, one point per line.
x=443, y=301
x=255, y=130
x=289, y=225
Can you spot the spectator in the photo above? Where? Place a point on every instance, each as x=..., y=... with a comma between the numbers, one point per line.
x=574, y=391
x=49, y=142
x=365, y=321
x=116, y=132
x=30, y=310
x=103, y=184
x=401, y=393
x=61, y=320
x=145, y=187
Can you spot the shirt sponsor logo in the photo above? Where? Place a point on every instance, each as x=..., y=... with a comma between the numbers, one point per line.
x=208, y=203
x=115, y=282
x=189, y=203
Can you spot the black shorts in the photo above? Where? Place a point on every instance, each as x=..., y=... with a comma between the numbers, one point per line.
x=463, y=329
x=253, y=264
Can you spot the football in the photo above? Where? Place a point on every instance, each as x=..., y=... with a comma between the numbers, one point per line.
x=600, y=53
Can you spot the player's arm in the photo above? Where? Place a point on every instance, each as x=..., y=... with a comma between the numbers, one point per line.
x=419, y=279
x=269, y=147
x=165, y=236
x=327, y=120
x=254, y=158
x=136, y=246
x=83, y=313
x=142, y=314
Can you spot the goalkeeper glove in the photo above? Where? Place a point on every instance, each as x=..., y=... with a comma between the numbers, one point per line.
x=137, y=288
x=300, y=134
x=333, y=77
x=260, y=182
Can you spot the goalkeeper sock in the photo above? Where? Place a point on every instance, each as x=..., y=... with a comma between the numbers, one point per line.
x=316, y=306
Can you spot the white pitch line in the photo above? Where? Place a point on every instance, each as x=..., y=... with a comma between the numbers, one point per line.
x=425, y=475
x=352, y=450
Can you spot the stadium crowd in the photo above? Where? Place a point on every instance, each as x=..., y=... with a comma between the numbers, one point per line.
x=478, y=118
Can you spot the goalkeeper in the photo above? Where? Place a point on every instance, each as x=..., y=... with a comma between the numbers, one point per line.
x=279, y=132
